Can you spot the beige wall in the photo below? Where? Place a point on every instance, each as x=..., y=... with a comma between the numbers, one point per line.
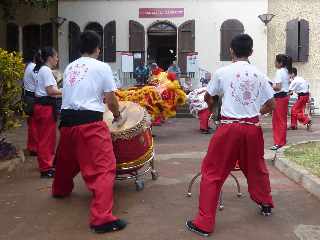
x=209, y=15
x=27, y=15
x=286, y=10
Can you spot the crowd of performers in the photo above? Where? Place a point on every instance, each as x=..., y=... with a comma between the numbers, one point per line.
x=85, y=143
x=285, y=83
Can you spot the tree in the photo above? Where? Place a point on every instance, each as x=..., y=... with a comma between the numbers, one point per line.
x=9, y=6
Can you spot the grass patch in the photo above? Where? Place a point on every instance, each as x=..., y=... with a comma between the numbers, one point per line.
x=306, y=155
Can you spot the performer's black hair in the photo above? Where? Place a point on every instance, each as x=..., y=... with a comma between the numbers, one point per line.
x=242, y=45
x=285, y=61
x=42, y=56
x=89, y=41
x=295, y=71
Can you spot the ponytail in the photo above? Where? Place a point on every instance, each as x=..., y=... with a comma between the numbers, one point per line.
x=285, y=61
x=42, y=56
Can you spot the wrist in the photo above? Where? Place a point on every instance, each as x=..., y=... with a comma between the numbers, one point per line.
x=117, y=115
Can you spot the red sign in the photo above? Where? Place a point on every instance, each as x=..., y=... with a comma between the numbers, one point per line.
x=161, y=12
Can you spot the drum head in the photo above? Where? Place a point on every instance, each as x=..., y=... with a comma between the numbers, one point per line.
x=133, y=113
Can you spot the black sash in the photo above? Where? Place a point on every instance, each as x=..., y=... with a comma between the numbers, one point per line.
x=70, y=117
x=28, y=102
x=303, y=94
x=49, y=101
x=280, y=94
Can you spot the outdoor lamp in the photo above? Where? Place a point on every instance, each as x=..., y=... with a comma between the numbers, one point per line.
x=266, y=18
x=58, y=21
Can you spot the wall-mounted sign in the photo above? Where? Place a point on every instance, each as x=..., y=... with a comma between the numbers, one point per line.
x=161, y=12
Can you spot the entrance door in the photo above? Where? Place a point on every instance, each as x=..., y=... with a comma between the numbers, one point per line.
x=186, y=43
x=162, y=44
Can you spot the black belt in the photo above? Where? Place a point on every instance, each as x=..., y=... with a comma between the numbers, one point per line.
x=29, y=93
x=70, y=117
x=280, y=94
x=303, y=94
x=48, y=101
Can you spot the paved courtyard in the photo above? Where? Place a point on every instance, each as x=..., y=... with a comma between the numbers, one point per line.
x=27, y=212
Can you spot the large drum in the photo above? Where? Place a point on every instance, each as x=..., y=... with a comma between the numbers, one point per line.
x=132, y=142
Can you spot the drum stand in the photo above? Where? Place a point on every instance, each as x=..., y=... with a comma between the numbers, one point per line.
x=138, y=174
x=220, y=203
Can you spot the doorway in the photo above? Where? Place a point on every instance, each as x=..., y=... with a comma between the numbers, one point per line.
x=162, y=44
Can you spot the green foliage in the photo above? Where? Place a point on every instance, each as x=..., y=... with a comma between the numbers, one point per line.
x=306, y=155
x=9, y=6
x=11, y=74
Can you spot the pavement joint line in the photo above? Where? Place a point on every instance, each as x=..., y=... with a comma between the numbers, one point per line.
x=198, y=155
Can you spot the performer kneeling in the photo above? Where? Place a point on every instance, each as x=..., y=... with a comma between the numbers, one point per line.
x=85, y=142
x=301, y=87
x=246, y=95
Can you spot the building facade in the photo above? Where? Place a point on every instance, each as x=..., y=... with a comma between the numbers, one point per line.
x=291, y=11
x=28, y=29
x=164, y=30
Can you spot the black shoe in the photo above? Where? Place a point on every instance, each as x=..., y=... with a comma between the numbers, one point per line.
x=204, y=131
x=309, y=125
x=191, y=227
x=47, y=174
x=116, y=225
x=265, y=210
x=293, y=128
x=275, y=147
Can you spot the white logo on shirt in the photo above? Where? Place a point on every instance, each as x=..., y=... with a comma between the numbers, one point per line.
x=76, y=74
x=245, y=88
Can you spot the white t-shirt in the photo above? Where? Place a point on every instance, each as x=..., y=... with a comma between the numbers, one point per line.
x=282, y=76
x=44, y=79
x=29, y=81
x=84, y=83
x=299, y=85
x=244, y=88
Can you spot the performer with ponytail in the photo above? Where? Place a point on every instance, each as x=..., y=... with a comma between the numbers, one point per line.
x=281, y=82
x=45, y=110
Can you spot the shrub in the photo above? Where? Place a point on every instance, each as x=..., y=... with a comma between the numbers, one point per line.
x=11, y=74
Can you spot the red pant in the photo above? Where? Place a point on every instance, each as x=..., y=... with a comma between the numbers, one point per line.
x=87, y=148
x=297, y=111
x=279, y=121
x=204, y=116
x=244, y=143
x=46, y=134
x=32, y=135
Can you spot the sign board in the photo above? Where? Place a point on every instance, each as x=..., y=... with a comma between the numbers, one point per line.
x=126, y=62
x=192, y=62
x=161, y=12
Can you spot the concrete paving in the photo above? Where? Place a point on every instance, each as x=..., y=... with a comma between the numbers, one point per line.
x=27, y=212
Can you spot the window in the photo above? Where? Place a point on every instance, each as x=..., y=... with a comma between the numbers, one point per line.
x=94, y=26
x=12, y=37
x=110, y=45
x=229, y=29
x=36, y=36
x=297, y=44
